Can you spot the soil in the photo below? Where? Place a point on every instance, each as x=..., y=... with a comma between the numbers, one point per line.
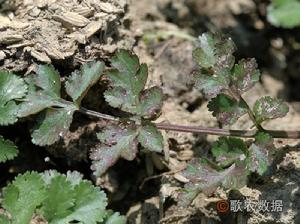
x=71, y=32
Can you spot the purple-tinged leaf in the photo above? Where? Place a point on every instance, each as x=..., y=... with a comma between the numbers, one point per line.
x=229, y=150
x=151, y=138
x=245, y=75
x=260, y=153
x=227, y=110
x=267, y=108
x=117, y=142
x=151, y=102
x=127, y=82
x=214, y=51
x=212, y=85
x=204, y=178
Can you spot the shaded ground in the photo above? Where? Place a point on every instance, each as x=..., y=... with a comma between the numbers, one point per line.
x=69, y=33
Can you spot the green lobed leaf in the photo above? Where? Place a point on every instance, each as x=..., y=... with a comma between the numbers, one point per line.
x=89, y=207
x=60, y=198
x=8, y=113
x=127, y=81
x=268, y=108
x=48, y=79
x=214, y=51
x=23, y=196
x=245, y=75
x=204, y=178
x=8, y=150
x=52, y=125
x=11, y=87
x=284, y=13
x=226, y=109
x=151, y=138
x=229, y=150
x=260, y=153
x=212, y=85
x=118, y=142
x=81, y=81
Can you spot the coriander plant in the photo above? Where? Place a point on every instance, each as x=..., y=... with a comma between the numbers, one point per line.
x=221, y=78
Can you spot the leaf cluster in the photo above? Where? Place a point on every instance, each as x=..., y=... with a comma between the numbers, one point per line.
x=56, y=198
x=127, y=92
x=223, y=82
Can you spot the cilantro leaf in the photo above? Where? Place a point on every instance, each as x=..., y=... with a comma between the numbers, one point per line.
x=4, y=219
x=212, y=85
x=204, y=178
x=23, y=195
x=52, y=125
x=226, y=109
x=8, y=113
x=260, y=153
x=8, y=150
x=245, y=75
x=36, y=102
x=116, y=218
x=127, y=79
x=268, y=108
x=151, y=101
x=48, y=79
x=228, y=150
x=119, y=142
x=81, y=81
x=60, y=198
x=214, y=51
x=151, y=138
x=11, y=87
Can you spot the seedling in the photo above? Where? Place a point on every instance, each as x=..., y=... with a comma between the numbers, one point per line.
x=221, y=79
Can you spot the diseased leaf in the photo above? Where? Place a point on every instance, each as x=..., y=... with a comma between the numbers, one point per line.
x=284, y=13
x=214, y=51
x=203, y=178
x=268, y=108
x=259, y=153
x=48, y=79
x=226, y=110
x=80, y=82
x=118, y=142
x=212, y=85
x=151, y=138
x=151, y=102
x=52, y=125
x=23, y=196
x=229, y=150
x=245, y=75
x=8, y=150
x=127, y=80
x=11, y=87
